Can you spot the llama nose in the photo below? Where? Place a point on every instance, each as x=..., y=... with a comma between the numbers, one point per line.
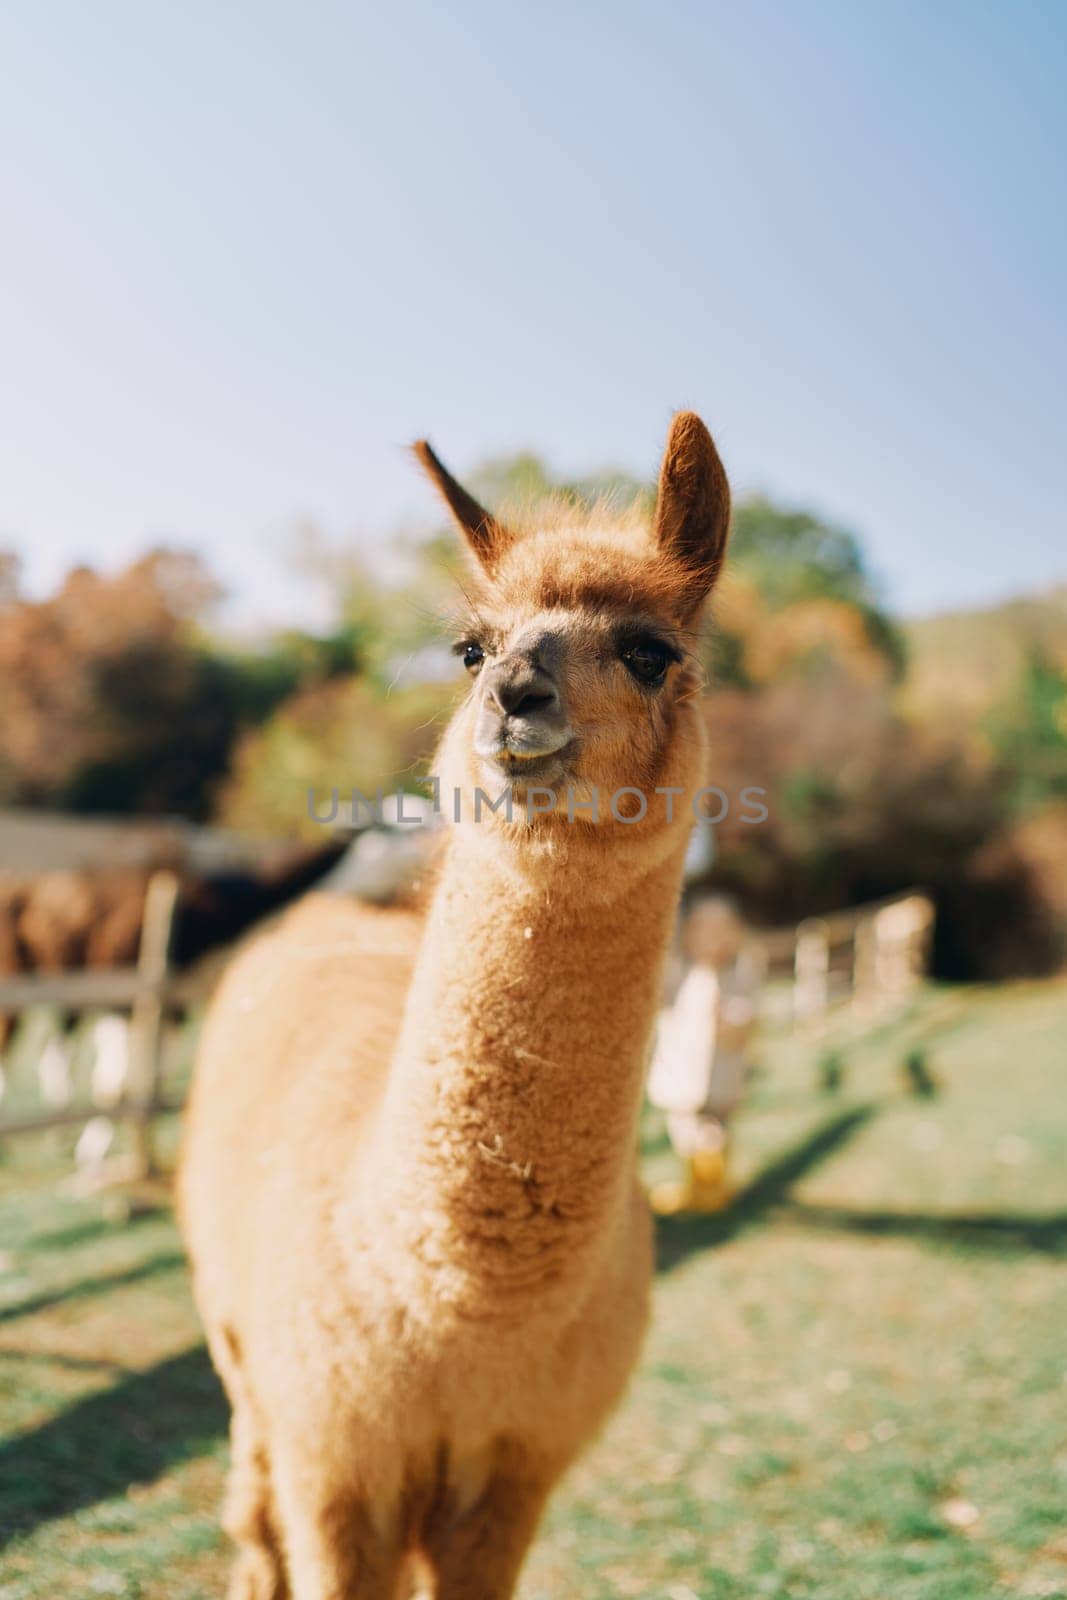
x=527, y=692
x=522, y=715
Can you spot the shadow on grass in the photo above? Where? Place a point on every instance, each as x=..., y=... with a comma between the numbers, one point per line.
x=86, y=1288
x=57, y=1358
x=679, y=1237
x=92, y=1230
x=100, y=1446
x=1012, y=1232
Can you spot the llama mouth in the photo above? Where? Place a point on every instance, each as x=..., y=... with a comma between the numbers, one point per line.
x=525, y=767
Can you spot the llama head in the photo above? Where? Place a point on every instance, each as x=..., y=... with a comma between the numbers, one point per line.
x=579, y=639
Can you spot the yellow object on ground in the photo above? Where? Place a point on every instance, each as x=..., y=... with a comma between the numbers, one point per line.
x=704, y=1186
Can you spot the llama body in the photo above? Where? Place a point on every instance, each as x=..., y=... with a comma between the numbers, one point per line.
x=409, y=1184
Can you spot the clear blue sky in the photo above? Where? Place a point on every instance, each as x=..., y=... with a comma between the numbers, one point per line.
x=250, y=250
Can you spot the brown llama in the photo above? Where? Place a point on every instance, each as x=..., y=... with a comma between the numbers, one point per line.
x=409, y=1188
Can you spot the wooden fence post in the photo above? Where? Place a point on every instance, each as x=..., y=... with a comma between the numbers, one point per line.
x=865, y=971
x=146, y=1023
x=811, y=974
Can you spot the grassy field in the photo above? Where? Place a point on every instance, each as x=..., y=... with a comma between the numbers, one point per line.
x=854, y=1388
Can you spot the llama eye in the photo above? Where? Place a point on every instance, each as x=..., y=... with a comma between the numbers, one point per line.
x=473, y=656
x=648, y=661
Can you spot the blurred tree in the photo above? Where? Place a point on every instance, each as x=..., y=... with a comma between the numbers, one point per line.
x=863, y=804
x=338, y=735
x=112, y=699
x=815, y=598
x=523, y=481
x=51, y=654
x=1029, y=734
x=393, y=612
x=792, y=555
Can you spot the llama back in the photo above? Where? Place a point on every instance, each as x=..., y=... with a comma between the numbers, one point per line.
x=293, y=1058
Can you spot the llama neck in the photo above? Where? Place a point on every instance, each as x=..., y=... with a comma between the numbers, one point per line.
x=510, y=1119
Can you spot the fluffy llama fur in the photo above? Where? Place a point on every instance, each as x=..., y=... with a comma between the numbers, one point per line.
x=409, y=1191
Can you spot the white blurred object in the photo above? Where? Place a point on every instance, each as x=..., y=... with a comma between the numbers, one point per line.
x=409, y=812
x=108, y=1084
x=94, y=1142
x=382, y=862
x=700, y=856
x=685, y=1044
x=701, y=1052
x=54, y=1074
x=111, y=1060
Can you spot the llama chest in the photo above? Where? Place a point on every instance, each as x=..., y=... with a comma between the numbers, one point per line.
x=457, y=1368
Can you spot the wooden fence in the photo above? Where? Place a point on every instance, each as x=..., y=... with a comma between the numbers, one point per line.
x=142, y=996
x=858, y=965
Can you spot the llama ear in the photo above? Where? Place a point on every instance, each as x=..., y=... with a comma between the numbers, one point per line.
x=693, y=505
x=487, y=537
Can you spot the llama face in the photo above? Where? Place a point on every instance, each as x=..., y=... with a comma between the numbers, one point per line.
x=575, y=697
x=581, y=635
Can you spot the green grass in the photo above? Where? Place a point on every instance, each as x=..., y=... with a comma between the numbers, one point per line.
x=853, y=1390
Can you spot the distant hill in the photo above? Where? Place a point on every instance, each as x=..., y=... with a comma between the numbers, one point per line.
x=961, y=663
